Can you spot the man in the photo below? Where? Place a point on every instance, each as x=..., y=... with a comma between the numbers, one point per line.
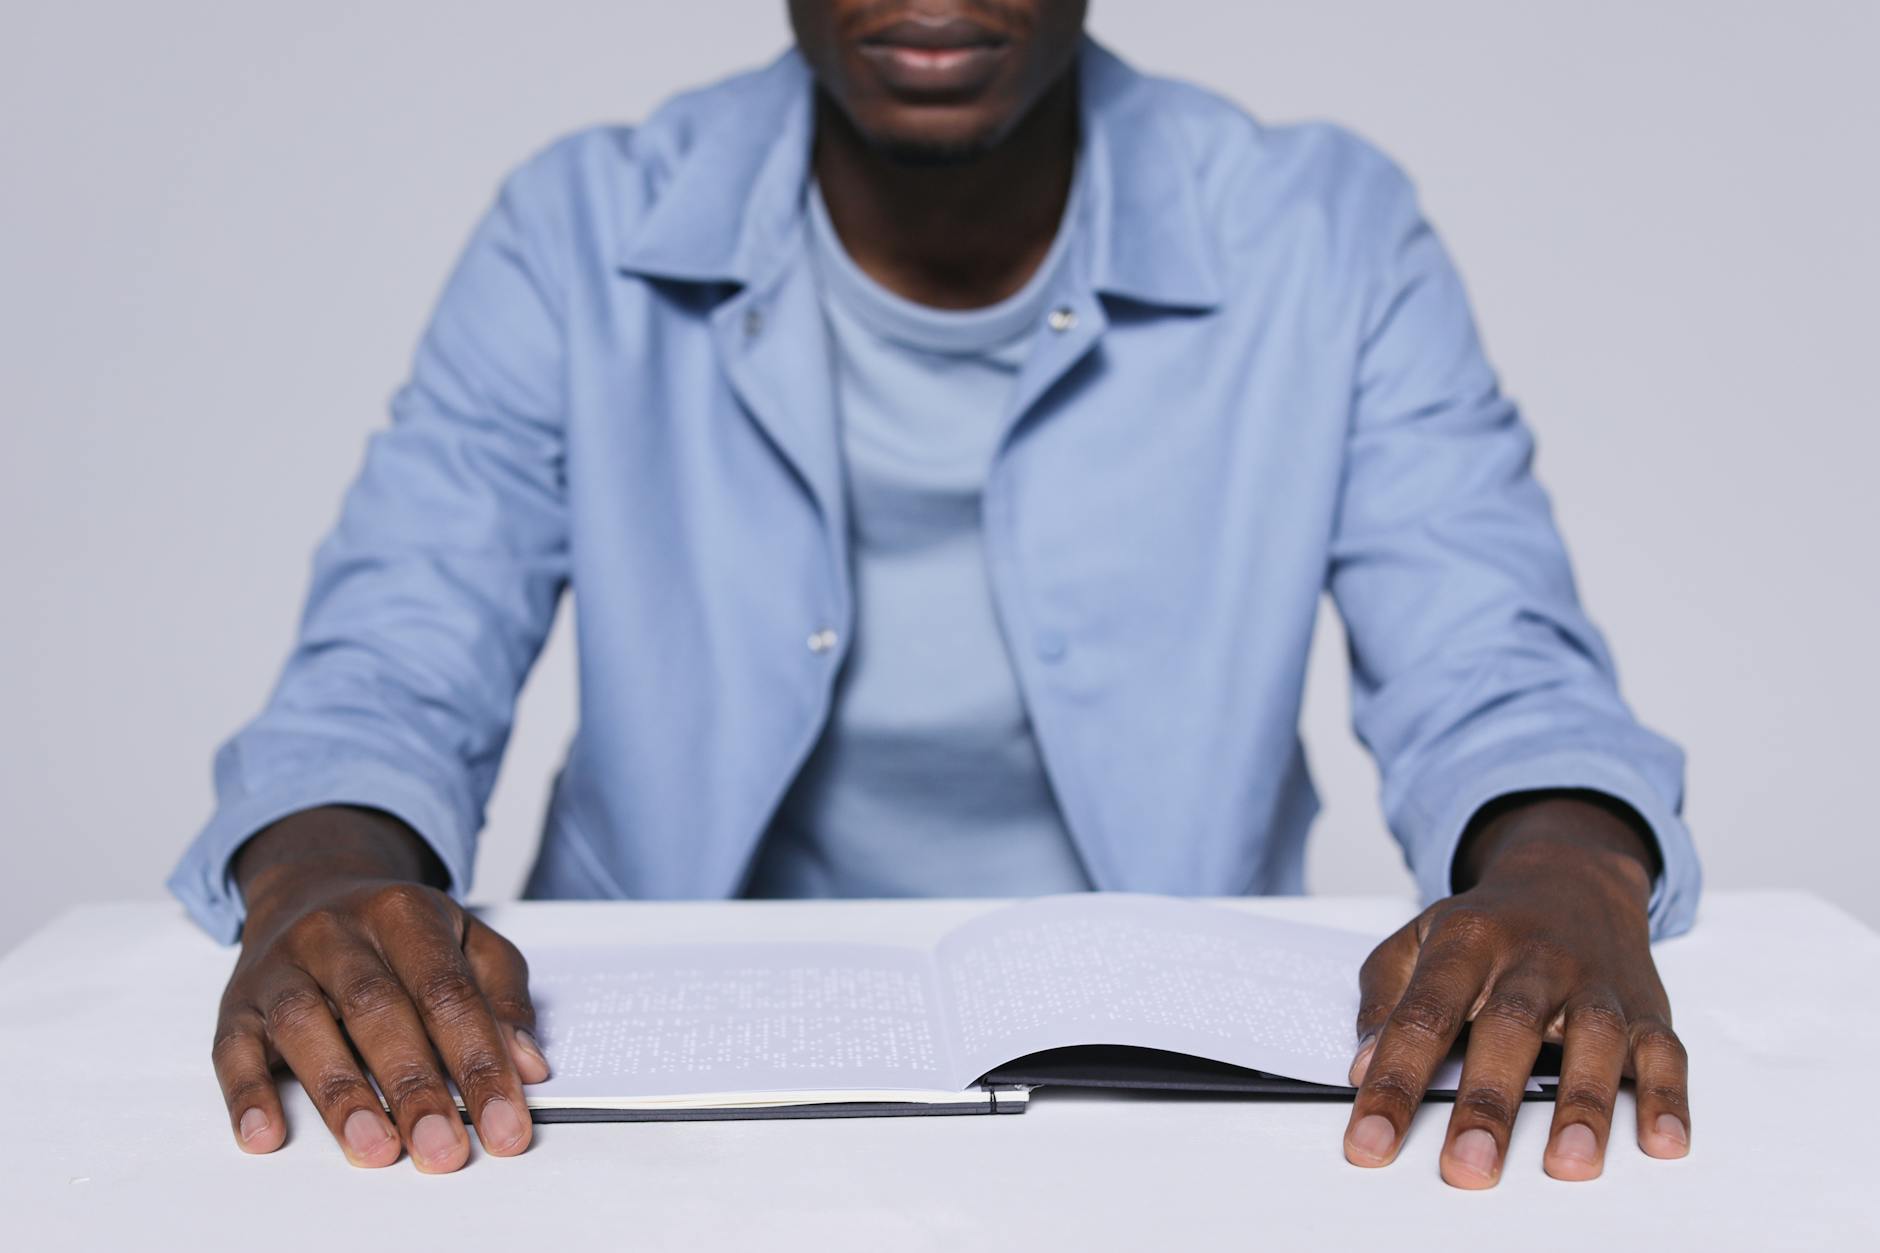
x=947, y=432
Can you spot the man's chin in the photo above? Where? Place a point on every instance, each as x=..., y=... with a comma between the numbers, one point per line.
x=916, y=148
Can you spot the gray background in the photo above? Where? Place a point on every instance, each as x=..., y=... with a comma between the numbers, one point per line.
x=224, y=225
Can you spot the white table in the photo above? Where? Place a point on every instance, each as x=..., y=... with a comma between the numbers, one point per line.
x=112, y=1134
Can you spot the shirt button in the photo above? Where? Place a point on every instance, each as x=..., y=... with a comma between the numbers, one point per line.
x=822, y=641
x=1062, y=318
x=753, y=322
x=1051, y=645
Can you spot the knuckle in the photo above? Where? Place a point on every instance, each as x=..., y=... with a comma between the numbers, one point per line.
x=1427, y=1016
x=250, y=1090
x=368, y=994
x=1376, y=1003
x=1600, y=1018
x=1486, y=1105
x=1393, y=1090
x=334, y=1087
x=234, y=1034
x=1669, y=1095
x=293, y=1010
x=1593, y=1102
x=1657, y=1043
x=513, y=1009
x=317, y=930
x=447, y=993
x=410, y=1084
x=480, y=1071
x=1516, y=1007
x=403, y=902
x=1465, y=925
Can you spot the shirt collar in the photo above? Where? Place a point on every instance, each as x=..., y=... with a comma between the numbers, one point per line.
x=733, y=204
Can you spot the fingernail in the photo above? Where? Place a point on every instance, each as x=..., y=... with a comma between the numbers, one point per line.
x=1576, y=1143
x=432, y=1140
x=1670, y=1127
x=365, y=1135
x=500, y=1127
x=253, y=1124
x=1361, y=1060
x=1474, y=1150
x=537, y=1064
x=1373, y=1136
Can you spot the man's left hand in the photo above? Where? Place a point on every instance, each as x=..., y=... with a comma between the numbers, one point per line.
x=1548, y=942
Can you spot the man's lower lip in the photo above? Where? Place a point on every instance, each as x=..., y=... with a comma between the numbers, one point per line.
x=933, y=69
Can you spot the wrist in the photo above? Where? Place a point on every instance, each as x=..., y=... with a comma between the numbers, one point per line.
x=1559, y=832
x=309, y=850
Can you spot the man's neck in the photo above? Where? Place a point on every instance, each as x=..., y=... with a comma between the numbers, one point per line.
x=956, y=235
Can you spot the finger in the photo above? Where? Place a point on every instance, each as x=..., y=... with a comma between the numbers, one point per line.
x=1591, y=1062
x=1414, y=1040
x=385, y=1027
x=429, y=960
x=1381, y=981
x=1504, y=1039
x=309, y=1041
x=504, y=977
x=1661, y=1070
x=241, y=1068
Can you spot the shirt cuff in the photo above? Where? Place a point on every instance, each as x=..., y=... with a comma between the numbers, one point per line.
x=1435, y=834
x=202, y=882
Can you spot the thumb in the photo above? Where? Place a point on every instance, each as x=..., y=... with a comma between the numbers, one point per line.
x=1381, y=983
x=504, y=977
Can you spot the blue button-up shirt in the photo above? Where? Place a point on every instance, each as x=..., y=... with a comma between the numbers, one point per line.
x=1262, y=383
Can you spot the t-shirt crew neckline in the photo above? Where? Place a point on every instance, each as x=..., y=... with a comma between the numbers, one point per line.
x=924, y=327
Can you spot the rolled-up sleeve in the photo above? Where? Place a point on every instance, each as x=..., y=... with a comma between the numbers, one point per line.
x=432, y=595
x=1476, y=674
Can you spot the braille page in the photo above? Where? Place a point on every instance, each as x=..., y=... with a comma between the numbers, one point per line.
x=623, y=1021
x=1153, y=972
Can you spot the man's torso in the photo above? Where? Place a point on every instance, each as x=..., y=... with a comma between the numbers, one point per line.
x=1155, y=523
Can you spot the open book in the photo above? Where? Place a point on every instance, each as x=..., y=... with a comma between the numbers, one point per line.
x=1094, y=990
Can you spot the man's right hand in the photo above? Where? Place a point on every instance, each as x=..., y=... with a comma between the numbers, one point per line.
x=348, y=938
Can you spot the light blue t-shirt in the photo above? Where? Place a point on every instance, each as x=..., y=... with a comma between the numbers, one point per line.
x=927, y=780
